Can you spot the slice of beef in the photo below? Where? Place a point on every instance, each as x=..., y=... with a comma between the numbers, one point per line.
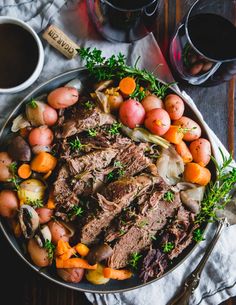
x=153, y=216
x=154, y=264
x=133, y=160
x=84, y=119
x=115, y=197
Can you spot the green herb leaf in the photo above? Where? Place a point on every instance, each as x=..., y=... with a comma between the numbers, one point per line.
x=167, y=247
x=169, y=196
x=33, y=104
x=76, y=144
x=92, y=132
x=13, y=168
x=134, y=260
x=15, y=180
x=89, y=105
x=37, y=203
x=143, y=223
x=75, y=211
x=50, y=247
x=115, y=128
x=139, y=93
x=217, y=194
x=198, y=235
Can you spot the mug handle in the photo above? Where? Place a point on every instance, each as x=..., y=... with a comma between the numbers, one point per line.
x=153, y=12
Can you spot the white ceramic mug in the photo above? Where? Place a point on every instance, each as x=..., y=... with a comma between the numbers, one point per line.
x=38, y=66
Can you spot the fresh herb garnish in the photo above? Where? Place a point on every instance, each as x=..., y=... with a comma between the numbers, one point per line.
x=122, y=231
x=169, y=196
x=75, y=211
x=115, y=128
x=92, y=132
x=76, y=144
x=50, y=247
x=33, y=104
x=37, y=203
x=13, y=168
x=89, y=105
x=198, y=235
x=167, y=247
x=15, y=180
x=114, y=67
x=116, y=173
x=139, y=93
x=184, y=130
x=217, y=194
x=134, y=259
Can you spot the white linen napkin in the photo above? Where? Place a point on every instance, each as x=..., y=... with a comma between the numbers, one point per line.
x=219, y=278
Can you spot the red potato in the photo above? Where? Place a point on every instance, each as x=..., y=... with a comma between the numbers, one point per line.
x=131, y=113
x=38, y=255
x=41, y=114
x=193, y=131
x=115, y=102
x=71, y=275
x=8, y=203
x=174, y=105
x=63, y=97
x=41, y=136
x=201, y=151
x=58, y=231
x=152, y=102
x=50, y=116
x=157, y=121
x=5, y=159
x=5, y=162
x=44, y=215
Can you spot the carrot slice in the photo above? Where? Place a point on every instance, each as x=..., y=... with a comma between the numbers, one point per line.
x=114, y=274
x=24, y=171
x=74, y=262
x=48, y=174
x=62, y=247
x=184, y=152
x=82, y=249
x=51, y=203
x=43, y=162
x=68, y=254
x=127, y=85
x=195, y=173
x=174, y=135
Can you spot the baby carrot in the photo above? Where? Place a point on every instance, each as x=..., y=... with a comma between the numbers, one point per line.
x=184, y=152
x=127, y=85
x=195, y=173
x=74, y=262
x=114, y=274
x=174, y=135
x=24, y=171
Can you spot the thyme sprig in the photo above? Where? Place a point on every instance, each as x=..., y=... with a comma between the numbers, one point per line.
x=115, y=128
x=33, y=104
x=198, y=235
x=169, y=196
x=218, y=194
x=134, y=260
x=76, y=144
x=75, y=211
x=167, y=247
x=103, y=68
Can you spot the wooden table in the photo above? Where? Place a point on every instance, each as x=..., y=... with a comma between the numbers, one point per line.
x=217, y=106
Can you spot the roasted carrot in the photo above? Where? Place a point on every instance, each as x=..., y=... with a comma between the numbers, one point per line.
x=82, y=249
x=174, y=135
x=195, y=173
x=24, y=171
x=51, y=202
x=184, y=152
x=114, y=274
x=62, y=247
x=74, y=262
x=48, y=174
x=43, y=162
x=127, y=86
x=70, y=252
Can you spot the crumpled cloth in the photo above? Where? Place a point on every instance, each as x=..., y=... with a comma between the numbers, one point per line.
x=218, y=280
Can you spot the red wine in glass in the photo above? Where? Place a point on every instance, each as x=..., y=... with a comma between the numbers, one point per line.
x=203, y=52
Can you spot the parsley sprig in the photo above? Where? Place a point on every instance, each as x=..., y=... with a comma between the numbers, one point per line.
x=103, y=68
x=134, y=260
x=167, y=247
x=169, y=196
x=218, y=193
x=50, y=247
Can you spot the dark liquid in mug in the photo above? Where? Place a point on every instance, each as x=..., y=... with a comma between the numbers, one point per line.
x=18, y=55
